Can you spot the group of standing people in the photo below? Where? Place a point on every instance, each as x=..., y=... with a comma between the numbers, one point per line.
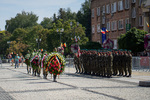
x=104, y=63
x=15, y=58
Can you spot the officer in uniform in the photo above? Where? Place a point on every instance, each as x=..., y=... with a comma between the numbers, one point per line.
x=124, y=63
x=110, y=63
x=116, y=62
x=129, y=63
x=76, y=63
x=27, y=61
x=45, y=68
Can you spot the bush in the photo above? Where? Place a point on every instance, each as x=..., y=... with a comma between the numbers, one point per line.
x=91, y=45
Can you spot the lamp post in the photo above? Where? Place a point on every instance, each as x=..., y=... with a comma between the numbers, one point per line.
x=38, y=42
x=60, y=32
x=74, y=28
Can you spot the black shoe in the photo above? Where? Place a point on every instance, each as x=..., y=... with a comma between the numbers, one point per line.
x=129, y=76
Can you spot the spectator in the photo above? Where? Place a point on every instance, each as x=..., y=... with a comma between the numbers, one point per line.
x=22, y=60
x=16, y=61
x=145, y=53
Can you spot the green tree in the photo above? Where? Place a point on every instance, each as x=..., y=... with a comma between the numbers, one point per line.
x=66, y=14
x=47, y=23
x=132, y=40
x=69, y=32
x=4, y=38
x=22, y=20
x=16, y=47
x=84, y=17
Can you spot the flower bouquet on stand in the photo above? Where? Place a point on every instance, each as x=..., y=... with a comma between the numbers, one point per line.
x=55, y=63
x=35, y=62
x=27, y=62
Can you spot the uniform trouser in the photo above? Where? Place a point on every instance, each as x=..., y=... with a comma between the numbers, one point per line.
x=125, y=69
x=100, y=70
x=45, y=71
x=109, y=72
x=103, y=71
x=115, y=70
x=39, y=70
x=129, y=68
x=120, y=68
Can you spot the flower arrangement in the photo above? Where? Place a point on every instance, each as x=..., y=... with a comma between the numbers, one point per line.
x=55, y=63
x=35, y=62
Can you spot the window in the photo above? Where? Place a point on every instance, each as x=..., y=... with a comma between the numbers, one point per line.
x=107, y=9
x=103, y=9
x=93, y=29
x=126, y=21
x=113, y=25
x=108, y=26
x=120, y=5
x=140, y=20
x=126, y=4
x=133, y=1
x=133, y=12
x=98, y=11
x=120, y=24
x=115, y=44
x=98, y=28
x=103, y=20
x=140, y=2
x=113, y=7
x=92, y=12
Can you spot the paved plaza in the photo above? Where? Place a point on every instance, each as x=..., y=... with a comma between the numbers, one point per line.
x=16, y=84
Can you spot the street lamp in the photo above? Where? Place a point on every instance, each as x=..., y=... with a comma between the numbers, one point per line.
x=74, y=28
x=60, y=32
x=38, y=42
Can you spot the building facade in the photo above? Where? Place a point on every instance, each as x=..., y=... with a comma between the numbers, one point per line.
x=117, y=16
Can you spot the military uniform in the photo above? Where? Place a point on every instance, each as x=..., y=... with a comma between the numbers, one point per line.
x=109, y=64
x=129, y=63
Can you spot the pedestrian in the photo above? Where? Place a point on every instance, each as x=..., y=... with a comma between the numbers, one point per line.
x=16, y=61
x=22, y=60
x=12, y=60
x=9, y=57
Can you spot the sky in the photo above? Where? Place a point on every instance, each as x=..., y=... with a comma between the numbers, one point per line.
x=41, y=8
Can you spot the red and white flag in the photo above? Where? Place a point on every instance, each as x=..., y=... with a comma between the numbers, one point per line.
x=79, y=53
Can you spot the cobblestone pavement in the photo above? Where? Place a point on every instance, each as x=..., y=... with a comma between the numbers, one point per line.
x=16, y=84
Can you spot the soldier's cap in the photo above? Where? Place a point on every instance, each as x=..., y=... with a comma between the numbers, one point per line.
x=129, y=51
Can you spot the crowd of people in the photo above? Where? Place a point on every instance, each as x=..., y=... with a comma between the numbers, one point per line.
x=15, y=58
x=104, y=63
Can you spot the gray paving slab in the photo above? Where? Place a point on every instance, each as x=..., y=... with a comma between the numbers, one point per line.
x=16, y=84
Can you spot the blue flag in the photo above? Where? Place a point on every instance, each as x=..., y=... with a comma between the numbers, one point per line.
x=103, y=35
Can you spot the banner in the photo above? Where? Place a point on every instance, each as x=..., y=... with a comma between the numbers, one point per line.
x=103, y=35
x=144, y=61
x=147, y=42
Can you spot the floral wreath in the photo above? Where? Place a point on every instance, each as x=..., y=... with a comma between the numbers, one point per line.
x=35, y=62
x=55, y=63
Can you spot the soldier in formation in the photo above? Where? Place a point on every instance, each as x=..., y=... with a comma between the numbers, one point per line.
x=104, y=63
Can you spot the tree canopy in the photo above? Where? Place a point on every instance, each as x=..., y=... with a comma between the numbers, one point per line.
x=22, y=20
x=132, y=40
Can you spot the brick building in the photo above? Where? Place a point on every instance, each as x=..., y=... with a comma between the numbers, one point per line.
x=117, y=16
